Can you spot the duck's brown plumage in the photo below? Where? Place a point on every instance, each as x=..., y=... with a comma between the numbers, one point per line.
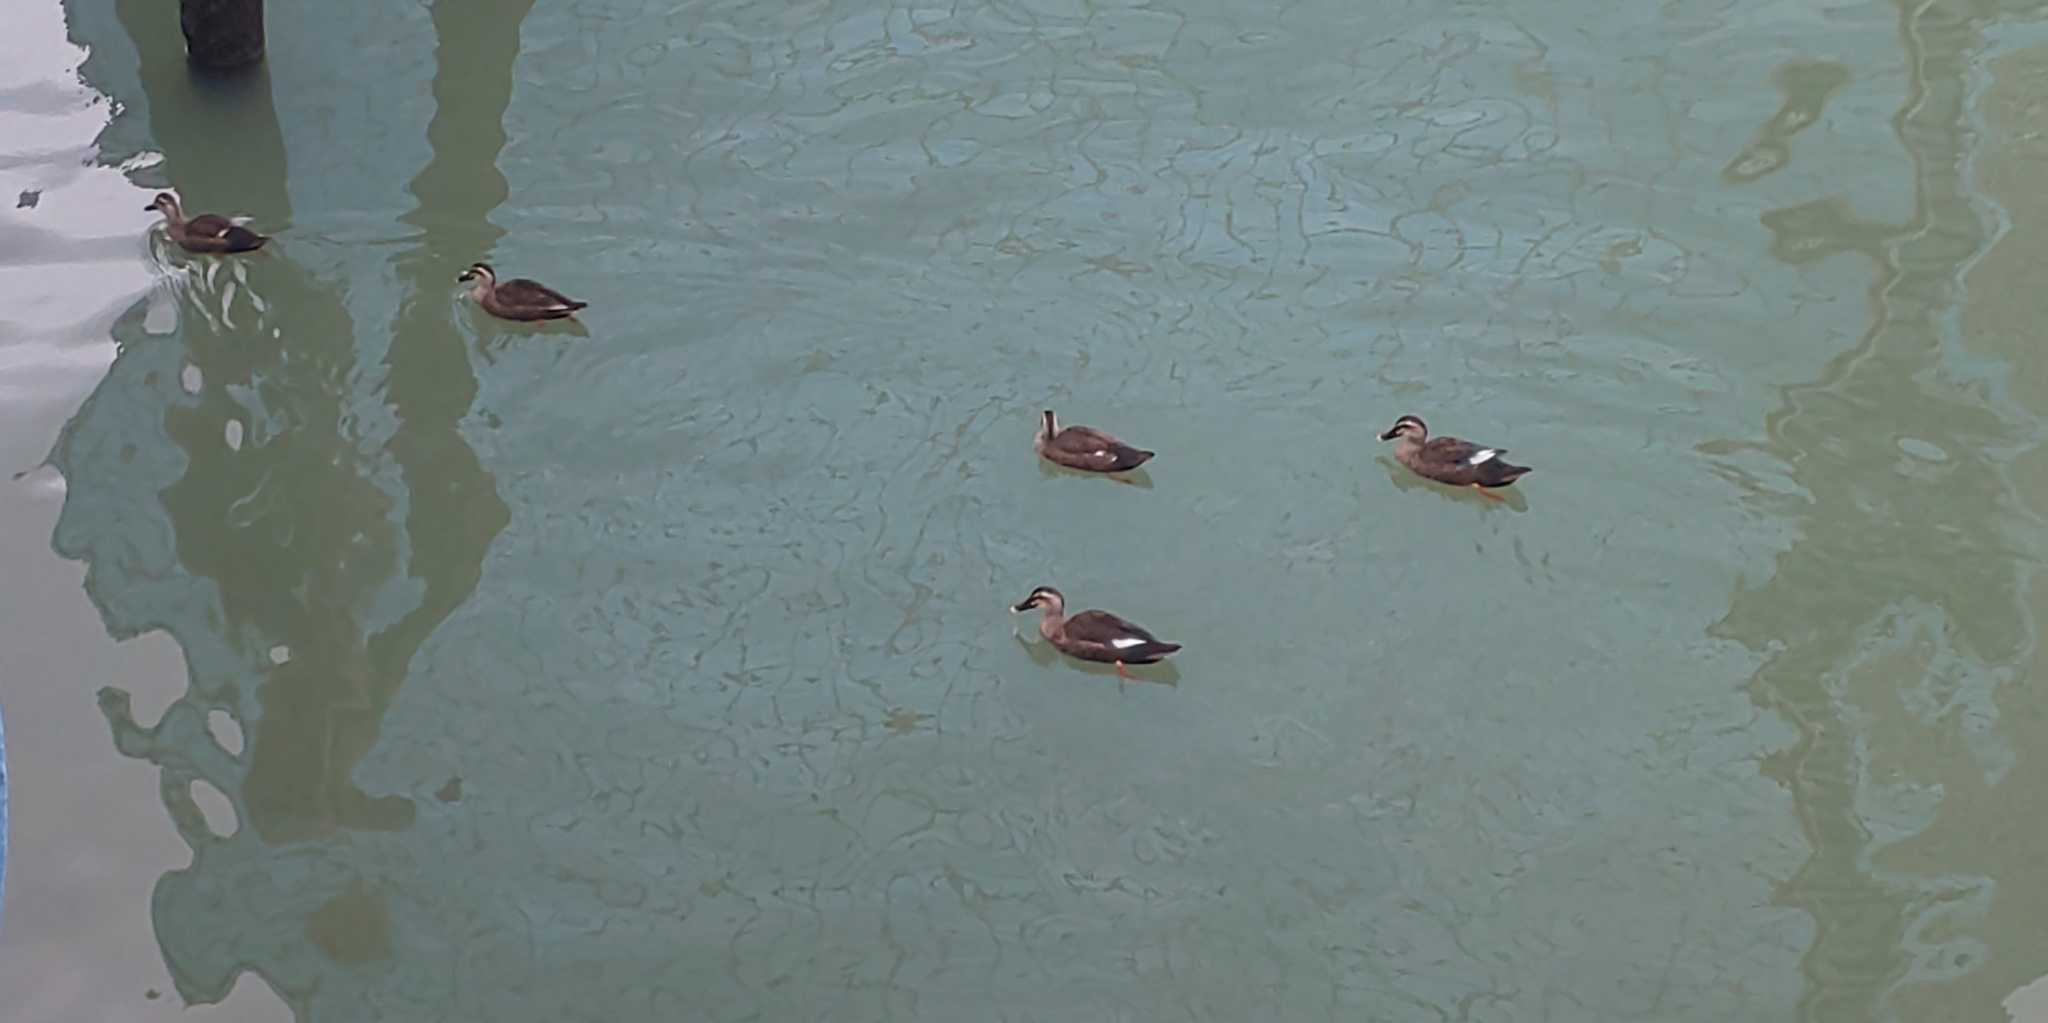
x=207, y=232
x=1094, y=635
x=1086, y=448
x=1448, y=459
x=518, y=298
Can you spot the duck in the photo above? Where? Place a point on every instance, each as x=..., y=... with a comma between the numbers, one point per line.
x=518, y=298
x=1085, y=448
x=1094, y=635
x=1459, y=463
x=207, y=232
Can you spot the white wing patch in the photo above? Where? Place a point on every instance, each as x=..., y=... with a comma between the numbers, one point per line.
x=1126, y=643
x=1482, y=455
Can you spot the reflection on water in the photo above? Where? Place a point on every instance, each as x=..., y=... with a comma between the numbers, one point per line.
x=309, y=550
x=1900, y=463
x=663, y=668
x=1982, y=836
x=1807, y=86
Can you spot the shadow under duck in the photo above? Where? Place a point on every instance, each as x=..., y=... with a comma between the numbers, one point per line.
x=1094, y=635
x=207, y=232
x=1085, y=448
x=1459, y=463
x=518, y=298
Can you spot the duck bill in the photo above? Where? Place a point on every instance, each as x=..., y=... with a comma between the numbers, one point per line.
x=1021, y=608
x=1390, y=435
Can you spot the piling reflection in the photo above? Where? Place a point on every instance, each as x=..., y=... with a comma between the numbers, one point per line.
x=296, y=503
x=1900, y=462
x=1987, y=768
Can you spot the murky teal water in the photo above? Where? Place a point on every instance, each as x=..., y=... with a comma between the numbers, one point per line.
x=661, y=668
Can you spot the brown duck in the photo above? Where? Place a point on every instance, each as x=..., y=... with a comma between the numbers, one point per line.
x=1085, y=448
x=1459, y=463
x=1094, y=635
x=207, y=232
x=518, y=298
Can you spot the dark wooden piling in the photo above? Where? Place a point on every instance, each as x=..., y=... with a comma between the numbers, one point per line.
x=222, y=35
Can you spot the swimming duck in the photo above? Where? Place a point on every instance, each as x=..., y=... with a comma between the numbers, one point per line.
x=1094, y=635
x=207, y=232
x=518, y=298
x=1085, y=448
x=1459, y=463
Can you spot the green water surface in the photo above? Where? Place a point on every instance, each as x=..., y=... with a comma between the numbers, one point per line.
x=659, y=667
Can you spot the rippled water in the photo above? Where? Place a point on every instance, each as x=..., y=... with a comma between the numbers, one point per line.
x=659, y=667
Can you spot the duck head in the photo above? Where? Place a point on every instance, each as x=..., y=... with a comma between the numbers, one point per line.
x=167, y=203
x=1044, y=596
x=1048, y=425
x=478, y=272
x=1409, y=427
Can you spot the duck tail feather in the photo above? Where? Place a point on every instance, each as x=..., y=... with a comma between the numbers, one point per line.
x=1500, y=474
